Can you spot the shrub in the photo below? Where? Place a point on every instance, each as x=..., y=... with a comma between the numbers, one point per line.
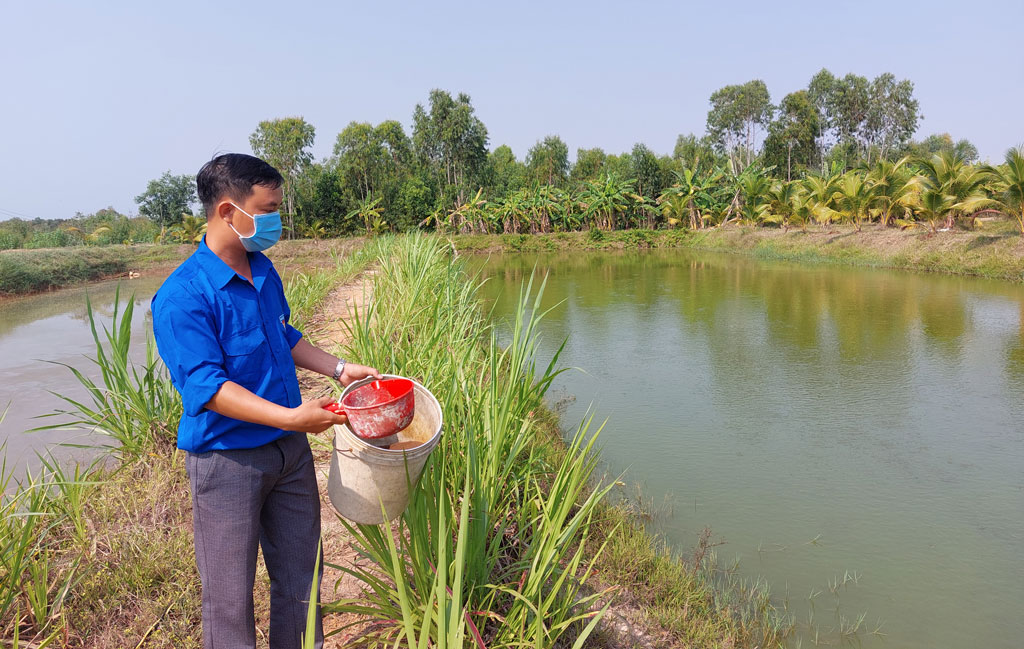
x=52, y=239
x=9, y=240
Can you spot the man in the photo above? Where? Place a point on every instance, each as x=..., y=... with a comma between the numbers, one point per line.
x=221, y=324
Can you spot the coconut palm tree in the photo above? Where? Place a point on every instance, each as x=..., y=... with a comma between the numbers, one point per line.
x=893, y=188
x=822, y=191
x=854, y=197
x=781, y=196
x=754, y=186
x=1009, y=185
x=190, y=230
x=949, y=174
x=933, y=205
x=316, y=230
x=801, y=206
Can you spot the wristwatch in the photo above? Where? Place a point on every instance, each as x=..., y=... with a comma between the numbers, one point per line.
x=338, y=369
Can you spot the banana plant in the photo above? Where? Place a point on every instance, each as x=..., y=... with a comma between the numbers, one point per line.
x=368, y=210
x=605, y=199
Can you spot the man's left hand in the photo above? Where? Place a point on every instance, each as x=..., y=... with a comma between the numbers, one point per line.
x=354, y=372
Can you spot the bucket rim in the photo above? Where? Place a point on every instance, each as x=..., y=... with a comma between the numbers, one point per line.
x=367, y=381
x=356, y=443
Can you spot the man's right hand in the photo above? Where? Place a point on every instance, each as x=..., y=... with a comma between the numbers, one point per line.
x=311, y=417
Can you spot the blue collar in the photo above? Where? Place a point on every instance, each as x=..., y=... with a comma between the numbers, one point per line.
x=220, y=273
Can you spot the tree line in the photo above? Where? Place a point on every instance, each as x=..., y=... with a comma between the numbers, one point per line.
x=840, y=149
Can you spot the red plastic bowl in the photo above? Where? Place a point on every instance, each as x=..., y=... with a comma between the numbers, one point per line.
x=379, y=408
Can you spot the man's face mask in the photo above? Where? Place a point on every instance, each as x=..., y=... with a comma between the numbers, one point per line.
x=266, y=230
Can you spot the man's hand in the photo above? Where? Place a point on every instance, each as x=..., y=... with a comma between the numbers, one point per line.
x=354, y=372
x=311, y=417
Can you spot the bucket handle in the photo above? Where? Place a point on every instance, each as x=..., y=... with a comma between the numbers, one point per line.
x=345, y=451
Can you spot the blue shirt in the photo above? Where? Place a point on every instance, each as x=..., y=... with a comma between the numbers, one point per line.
x=211, y=325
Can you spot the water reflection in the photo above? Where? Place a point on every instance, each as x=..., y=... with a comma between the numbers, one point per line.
x=778, y=403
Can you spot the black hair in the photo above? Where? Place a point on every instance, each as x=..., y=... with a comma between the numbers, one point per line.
x=233, y=175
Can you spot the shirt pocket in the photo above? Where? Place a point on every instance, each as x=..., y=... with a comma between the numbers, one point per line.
x=245, y=356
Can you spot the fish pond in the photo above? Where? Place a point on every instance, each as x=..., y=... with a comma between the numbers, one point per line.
x=854, y=436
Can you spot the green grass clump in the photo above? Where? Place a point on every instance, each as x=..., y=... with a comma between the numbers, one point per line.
x=491, y=551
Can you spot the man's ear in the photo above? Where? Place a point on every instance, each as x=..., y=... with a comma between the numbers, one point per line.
x=225, y=210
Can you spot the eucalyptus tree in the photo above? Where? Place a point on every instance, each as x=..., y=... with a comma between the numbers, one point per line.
x=892, y=115
x=862, y=115
x=321, y=194
x=844, y=103
x=938, y=142
x=285, y=144
x=792, y=141
x=505, y=174
x=692, y=152
x=589, y=165
x=644, y=167
x=548, y=161
x=736, y=113
x=1008, y=185
x=451, y=140
x=373, y=158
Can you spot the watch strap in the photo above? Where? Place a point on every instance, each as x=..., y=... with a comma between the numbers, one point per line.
x=338, y=369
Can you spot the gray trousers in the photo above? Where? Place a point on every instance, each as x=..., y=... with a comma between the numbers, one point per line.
x=241, y=498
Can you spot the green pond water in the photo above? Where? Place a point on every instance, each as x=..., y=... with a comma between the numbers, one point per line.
x=36, y=333
x=822, y=421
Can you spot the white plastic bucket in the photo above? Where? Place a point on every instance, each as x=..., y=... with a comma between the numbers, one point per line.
x=363, y=476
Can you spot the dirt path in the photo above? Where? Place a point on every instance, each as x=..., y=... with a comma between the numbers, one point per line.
x=328, y=330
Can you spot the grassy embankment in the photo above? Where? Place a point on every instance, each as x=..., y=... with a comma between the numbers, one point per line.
x=32, y=271
x=104, y=558
x=994, y=250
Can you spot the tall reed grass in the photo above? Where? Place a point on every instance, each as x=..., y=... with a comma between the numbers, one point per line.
x=490, y=552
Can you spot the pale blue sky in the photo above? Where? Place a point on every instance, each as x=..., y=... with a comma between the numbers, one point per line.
x=100, y=97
